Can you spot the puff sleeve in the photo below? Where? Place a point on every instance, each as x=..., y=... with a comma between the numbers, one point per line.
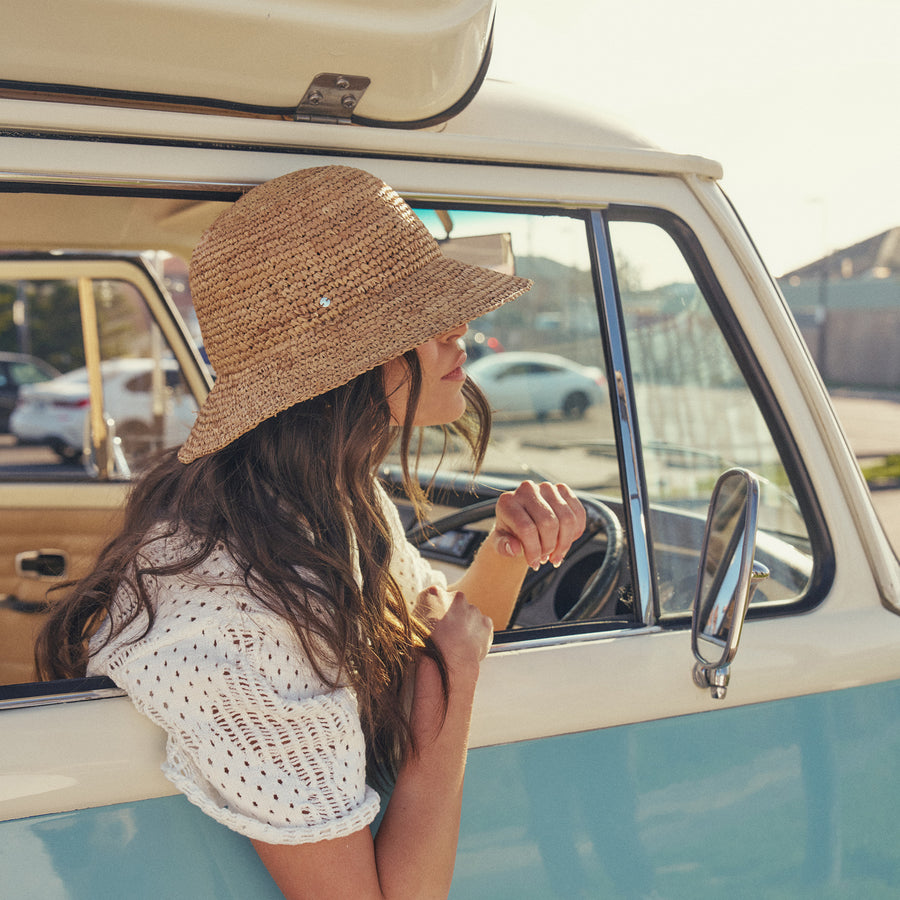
x=254, y=738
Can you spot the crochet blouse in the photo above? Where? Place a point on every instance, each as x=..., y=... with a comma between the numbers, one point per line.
x=255, y=738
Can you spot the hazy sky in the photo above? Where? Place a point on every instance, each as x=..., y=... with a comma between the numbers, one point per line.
x=798, y=99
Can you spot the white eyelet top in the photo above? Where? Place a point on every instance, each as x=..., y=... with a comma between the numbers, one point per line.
x=255, y=738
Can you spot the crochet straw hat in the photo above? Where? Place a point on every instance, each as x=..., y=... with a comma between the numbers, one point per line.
x=312, y=279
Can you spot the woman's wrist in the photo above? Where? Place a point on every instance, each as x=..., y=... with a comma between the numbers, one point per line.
x=462, y=676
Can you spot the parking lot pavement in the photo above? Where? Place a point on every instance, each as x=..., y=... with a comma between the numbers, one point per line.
x=887, y=505
x=872, y=422
x=872, y=425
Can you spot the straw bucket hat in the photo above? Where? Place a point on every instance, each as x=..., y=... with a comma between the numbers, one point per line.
x=312, y=279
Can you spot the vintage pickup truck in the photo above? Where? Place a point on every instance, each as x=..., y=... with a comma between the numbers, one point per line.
x=611, y=756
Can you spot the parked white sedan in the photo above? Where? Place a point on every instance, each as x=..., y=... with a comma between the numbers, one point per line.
x=53, y=413
x=538, y=384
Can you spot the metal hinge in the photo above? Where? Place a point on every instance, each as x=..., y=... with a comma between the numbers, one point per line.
x=331, y=98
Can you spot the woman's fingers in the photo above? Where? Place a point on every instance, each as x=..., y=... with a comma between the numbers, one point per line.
x=432, y=604
x=540, y=521
x=572, y=518
x=463, y=634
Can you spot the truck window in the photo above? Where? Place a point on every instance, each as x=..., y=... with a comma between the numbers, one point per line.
x=697, y=416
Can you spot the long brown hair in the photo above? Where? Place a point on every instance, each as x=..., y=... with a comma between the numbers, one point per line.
x=250, y=496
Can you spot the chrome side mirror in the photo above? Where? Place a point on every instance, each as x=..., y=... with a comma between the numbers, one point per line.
x=727, y=578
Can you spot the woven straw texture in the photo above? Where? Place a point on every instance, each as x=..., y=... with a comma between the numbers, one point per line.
x=312, y=279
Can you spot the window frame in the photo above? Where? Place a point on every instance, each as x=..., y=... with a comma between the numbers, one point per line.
x=757, y=383
x=130, y=268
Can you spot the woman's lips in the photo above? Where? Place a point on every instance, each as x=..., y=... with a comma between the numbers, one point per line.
x=456, y=375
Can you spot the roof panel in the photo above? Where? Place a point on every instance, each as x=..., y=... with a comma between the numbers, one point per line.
x=422, y=57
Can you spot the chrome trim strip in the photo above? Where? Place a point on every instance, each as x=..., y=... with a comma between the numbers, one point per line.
x=566, y=639
x=636, y=507
x=51, y=699
x=124, y=182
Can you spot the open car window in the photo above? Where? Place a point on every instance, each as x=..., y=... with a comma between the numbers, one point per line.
x=69, y=313
x=540, y=362
x=539, y=359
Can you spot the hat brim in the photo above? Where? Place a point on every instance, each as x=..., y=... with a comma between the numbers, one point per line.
x=442, y=295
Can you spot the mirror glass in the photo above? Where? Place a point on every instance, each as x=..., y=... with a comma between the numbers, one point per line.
x=725, y=567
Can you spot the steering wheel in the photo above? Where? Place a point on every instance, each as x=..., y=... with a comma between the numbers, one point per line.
x=598, y=588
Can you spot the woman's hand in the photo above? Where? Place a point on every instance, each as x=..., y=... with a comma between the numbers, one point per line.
x=538, y=522
x=459, y=630
x=462, y=634
x=533, y=524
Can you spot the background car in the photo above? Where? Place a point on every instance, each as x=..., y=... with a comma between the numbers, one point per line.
x=525, y=383
x=16, y=371
x=54, y=413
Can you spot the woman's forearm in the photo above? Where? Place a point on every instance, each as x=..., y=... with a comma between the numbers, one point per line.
x=493, y=581
x=415, y=847
x=534, y=524
x=413, y=854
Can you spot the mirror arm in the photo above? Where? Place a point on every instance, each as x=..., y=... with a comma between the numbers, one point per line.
x=716, y=678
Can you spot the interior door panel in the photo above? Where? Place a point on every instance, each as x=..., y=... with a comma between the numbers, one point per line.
x=73, y=521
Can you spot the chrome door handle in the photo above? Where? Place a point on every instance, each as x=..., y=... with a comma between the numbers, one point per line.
x=41, y=564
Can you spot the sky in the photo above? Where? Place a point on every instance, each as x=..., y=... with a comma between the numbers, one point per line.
x=798, y=99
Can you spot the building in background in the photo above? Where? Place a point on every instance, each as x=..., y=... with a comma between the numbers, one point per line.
x=847, y=305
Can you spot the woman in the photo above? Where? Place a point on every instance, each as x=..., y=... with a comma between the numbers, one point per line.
x=261, y=603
